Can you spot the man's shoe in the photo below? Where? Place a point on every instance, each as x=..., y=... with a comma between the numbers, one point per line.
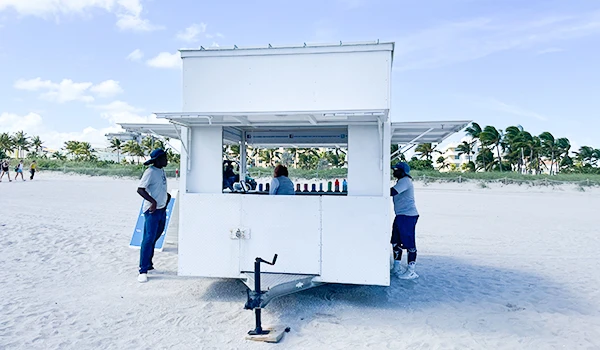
x=410, y=273
x=142, y=278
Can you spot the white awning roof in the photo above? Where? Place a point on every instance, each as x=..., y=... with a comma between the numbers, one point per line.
x=169, y=130
x=404, y=133
x=274, y=119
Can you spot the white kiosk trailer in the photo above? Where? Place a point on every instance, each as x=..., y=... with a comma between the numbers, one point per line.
x=309, y=96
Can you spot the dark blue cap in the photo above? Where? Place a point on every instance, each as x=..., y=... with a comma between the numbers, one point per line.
x=155, y=155
x=404, y=166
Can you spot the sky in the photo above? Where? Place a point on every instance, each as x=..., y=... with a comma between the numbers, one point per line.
x=72, y=69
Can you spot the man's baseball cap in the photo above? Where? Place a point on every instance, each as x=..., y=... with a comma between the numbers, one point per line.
x=155, y=155
x=402, y=165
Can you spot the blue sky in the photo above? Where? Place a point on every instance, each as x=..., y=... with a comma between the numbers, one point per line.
x=71, y=69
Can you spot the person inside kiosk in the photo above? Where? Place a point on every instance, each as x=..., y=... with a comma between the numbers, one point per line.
x=229, y=176
x=281, y=184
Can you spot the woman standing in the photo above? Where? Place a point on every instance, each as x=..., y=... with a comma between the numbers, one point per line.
x=405, y=222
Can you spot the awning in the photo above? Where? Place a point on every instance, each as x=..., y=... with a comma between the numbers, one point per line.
x=169, y=130
x=405, y=133
x=274, y=119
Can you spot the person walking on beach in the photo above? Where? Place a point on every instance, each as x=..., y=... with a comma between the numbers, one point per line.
x=153, y=188
x=19, y=170
x=32, y=168
x=5, y=168
x=405, y=222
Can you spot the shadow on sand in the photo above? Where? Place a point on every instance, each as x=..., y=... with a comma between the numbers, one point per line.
x=443, y=281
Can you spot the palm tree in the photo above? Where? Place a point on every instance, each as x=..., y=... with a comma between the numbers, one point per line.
x=336, y=158
x=549, y=148
x=465, y=148
x=485, y=159
x=85, y=151
x=442, y=164
x=36, y=142
x=21, y=141
x=58, y=156
x=116, y=145
x=490, y=136
x=72, y=148
x=6, y=143
x=516, y=142
x=426, y=150
x=308, y=158
x=269, y=156
x=148, y=144
x=134, y=149
x=586, y=155
x=563, y=146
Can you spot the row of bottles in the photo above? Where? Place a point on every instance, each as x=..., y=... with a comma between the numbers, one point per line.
x=331, y=187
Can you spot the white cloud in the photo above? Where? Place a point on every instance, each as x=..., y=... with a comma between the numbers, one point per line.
x=190, y=34
x=135, y=56
x=116, y=106
x=128, y=12
x=214, y=44
x=456, y=42
x=108, y=88
x=65, y=91
x=165, y=60
x=68, y=90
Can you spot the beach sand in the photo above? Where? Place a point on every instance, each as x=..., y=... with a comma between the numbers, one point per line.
x=509, y=267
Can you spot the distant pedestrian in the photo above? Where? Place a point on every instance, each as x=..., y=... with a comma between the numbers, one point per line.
x=5, y=168
x=153, y=188
x=32, y=168
x=19, y=170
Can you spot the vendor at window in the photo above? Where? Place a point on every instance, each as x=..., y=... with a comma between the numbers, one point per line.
x=281, y=184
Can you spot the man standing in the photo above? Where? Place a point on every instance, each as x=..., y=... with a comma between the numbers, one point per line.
x=405, y=222
x=153, y=188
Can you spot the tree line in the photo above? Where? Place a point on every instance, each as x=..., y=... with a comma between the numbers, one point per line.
x=303, y=158
x=514, y=149
x=79, y=150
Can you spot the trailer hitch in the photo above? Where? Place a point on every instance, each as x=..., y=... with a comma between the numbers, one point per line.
x=255, y=297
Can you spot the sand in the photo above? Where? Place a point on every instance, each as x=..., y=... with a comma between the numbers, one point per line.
x=508, y=267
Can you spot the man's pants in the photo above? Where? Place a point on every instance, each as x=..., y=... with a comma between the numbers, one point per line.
x=154, y=225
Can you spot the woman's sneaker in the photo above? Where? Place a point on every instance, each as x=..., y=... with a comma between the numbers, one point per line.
x=410, y=273
x=398, y=269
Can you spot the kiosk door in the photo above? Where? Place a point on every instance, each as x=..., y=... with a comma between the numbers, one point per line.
x=289, y=226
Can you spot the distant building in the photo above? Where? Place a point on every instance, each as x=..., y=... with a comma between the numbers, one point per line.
x=453, y=159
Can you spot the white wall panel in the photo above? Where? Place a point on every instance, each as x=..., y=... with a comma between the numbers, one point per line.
x=289, y=226
x=355, y=243
x=205, y=246
x=206, y=156
x=300, y=82
x=365, y=174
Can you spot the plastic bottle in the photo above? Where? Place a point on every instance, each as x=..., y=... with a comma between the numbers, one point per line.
x=329, y=184
x=298, y=188
x=260, y=187
x=320, y=187
x=337, y=185
x=313, y=188
x=305, y=187
x=344, y=186
x=268, y=187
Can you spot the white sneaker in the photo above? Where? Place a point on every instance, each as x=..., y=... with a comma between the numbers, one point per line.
x=398, y=268
x=410, y=273
x=142, y=278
